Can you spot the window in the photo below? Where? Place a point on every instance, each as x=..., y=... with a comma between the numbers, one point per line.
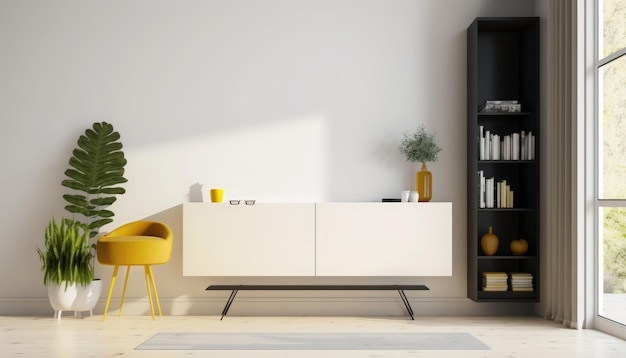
x=610, y=184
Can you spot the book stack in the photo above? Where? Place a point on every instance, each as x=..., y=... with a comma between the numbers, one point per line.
x=514, y=146
x=495, y=281
x=500, y=106
x=521, y=281
x=492, y=194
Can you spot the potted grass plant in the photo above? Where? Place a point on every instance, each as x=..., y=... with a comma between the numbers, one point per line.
x=67, y=267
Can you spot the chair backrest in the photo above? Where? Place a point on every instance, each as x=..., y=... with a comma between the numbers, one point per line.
x=143, y=228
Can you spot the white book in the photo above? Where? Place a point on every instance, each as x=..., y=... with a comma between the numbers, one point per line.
x=492, y=192
x=506, y=152
x=481, y=149
x=487, y=196
x=487, y=144
x=481, y=143
x=509, y=149
x=489, y=183
x=515, y=146
x=523, y=146
x=478, y=179
x=486, y=192
x=481, y=188
x=489, y=193
x=495, y=147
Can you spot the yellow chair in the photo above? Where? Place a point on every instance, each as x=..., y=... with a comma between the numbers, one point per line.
x=139, y=243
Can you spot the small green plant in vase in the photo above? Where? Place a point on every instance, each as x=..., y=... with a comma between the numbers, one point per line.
x=67, y=256
x=67, y=266
x=421, y=147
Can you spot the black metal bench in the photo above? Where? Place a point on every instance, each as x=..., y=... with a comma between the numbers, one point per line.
x=237, y=288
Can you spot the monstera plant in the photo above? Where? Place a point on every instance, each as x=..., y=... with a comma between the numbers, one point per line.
x=96, y=170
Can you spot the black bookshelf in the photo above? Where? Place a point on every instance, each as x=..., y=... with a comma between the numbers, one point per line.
x=503, y=64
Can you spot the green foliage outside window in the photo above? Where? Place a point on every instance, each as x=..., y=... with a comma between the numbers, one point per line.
x=613, y=145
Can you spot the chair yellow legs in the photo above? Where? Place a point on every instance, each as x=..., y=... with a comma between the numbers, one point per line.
x=124, y=289
x=149, y=274
x=106, y=308
x=149, y=280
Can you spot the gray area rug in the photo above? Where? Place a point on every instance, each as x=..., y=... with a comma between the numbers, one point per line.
x=312, y=341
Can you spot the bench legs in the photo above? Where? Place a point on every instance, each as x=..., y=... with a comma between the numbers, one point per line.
x=406, y=303
x=228, y=303
x=405, y=300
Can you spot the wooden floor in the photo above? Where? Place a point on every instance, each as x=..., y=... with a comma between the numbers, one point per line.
x=118, y=336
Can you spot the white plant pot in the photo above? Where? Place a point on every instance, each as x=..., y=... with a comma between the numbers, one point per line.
x=75, y=298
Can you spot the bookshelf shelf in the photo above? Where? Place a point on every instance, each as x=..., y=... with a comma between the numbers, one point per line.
x=504, y=209
x=504, y=114
x=503, y=64
x=513, y=296
x=506, y=162
x=507, y=257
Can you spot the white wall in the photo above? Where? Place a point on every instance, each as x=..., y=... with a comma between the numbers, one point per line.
x=276, y=100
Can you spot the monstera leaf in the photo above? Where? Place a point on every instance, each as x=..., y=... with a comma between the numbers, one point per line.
x=96, y=170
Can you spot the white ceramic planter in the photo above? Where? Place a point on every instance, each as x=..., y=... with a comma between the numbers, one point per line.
x=75, y=298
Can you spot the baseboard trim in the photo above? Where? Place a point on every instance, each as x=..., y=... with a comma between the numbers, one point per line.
x=282, y=306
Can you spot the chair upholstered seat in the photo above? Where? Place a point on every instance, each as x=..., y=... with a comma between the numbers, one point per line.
x=139, y=243
x=133, y=250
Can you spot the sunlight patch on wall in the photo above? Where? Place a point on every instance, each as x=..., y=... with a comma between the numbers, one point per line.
x=276, y=161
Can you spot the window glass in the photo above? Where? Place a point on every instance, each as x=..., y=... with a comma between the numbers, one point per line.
x=611, y=155
x=613, y=22
x=613, y=236
x=613, y=130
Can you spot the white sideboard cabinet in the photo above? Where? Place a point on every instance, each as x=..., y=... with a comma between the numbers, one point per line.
x=323, y=239
x=384, y=239
x=264, y=239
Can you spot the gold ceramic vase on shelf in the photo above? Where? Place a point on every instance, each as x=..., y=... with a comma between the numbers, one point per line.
x=424, y=183
x=489, y=243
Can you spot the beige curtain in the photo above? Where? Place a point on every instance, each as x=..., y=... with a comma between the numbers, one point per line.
x=563, y=268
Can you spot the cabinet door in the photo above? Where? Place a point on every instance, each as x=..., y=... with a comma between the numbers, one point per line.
x=384, y=239
x=265, y=239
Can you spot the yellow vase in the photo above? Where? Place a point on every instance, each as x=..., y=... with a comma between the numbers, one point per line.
x=489, y=243
x=424, y=183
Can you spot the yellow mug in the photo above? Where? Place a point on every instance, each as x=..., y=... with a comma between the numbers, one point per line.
x=217, y=195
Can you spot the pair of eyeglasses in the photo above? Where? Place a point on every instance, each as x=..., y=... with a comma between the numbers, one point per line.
x=248, y=202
